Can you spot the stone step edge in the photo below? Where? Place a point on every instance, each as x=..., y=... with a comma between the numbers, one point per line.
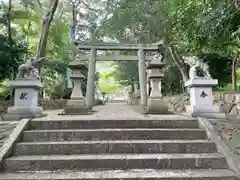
x=114, y=119
x=121, y=174
x=112, y=156
x=113, y=130
x=204, y=141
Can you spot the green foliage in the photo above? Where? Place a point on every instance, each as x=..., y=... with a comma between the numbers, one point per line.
x=131, y=67
x=220, y=67
x=107, y=78
x=209, y=29
x=4, y=90
x=26, y=20
x=11, y=56
x=206, y=28
x=109, y=86
x=172, y=82
x=226, y=88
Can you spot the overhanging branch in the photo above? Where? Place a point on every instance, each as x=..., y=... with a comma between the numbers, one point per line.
x=39, y=4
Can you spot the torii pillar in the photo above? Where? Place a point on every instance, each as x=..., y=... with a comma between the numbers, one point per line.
x=91, y=79
x=142, y=79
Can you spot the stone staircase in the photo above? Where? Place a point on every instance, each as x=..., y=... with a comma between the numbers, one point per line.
x=115, y=149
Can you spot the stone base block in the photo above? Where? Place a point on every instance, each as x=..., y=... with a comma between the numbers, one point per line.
x=76, y=107
x=206, y=115
x=157, y=106
x=70, y=110
x=210, y=115
x=16, y=113
x=203, y=109
x=212, y=112
x=201, y=82
x=76, y=103
x=25, y=110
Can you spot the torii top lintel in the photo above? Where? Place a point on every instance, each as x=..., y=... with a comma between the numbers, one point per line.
x=118, y=46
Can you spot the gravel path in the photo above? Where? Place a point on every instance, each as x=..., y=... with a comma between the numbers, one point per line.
x=114, y=111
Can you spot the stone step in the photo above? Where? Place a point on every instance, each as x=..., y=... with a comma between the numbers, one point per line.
x=113, y=134
x=218, y=174
x=116, y=161
x=113, y=123
x=124, y=146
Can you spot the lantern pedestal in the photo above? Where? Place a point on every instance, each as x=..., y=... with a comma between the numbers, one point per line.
x=156, y=104
x=76, y=105
x=25, y=100
x=201, y=98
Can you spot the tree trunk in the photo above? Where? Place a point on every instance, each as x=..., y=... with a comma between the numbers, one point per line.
x=179, y=63
x=234, y=74
x=74, y=26
x=46, y=22
x=29, y=25
x=9, y=14
x=10, y=41
x=27, y=38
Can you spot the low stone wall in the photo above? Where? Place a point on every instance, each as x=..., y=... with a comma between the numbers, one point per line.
x=229, y=102
x=47, y=104
x=6, y=129
x=177, y=103
x=53, y=104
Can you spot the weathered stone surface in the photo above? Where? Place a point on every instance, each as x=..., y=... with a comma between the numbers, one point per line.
x=115, y=161
x=70, y=110
x=113, y=134
x=51, y=104
x=229, y=132
x=106, y=122
x=120, y=142
x=229, y=98
x=157, y=106
x=26, y=90
x=228, y=102
x=123, y=146
x=6, y=129
x=190, y=174
x=232, y=110
x=23, y=112
x=177, y=103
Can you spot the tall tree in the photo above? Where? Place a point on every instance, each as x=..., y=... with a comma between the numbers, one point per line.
x=187, y=27
x=46, y=22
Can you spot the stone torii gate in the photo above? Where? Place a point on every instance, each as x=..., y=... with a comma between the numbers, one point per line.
x=141, y=58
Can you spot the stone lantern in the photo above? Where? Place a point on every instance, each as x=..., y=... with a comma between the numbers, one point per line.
x=155, y=69
x=129, y=94
x=76, y=105
x=136, y=93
